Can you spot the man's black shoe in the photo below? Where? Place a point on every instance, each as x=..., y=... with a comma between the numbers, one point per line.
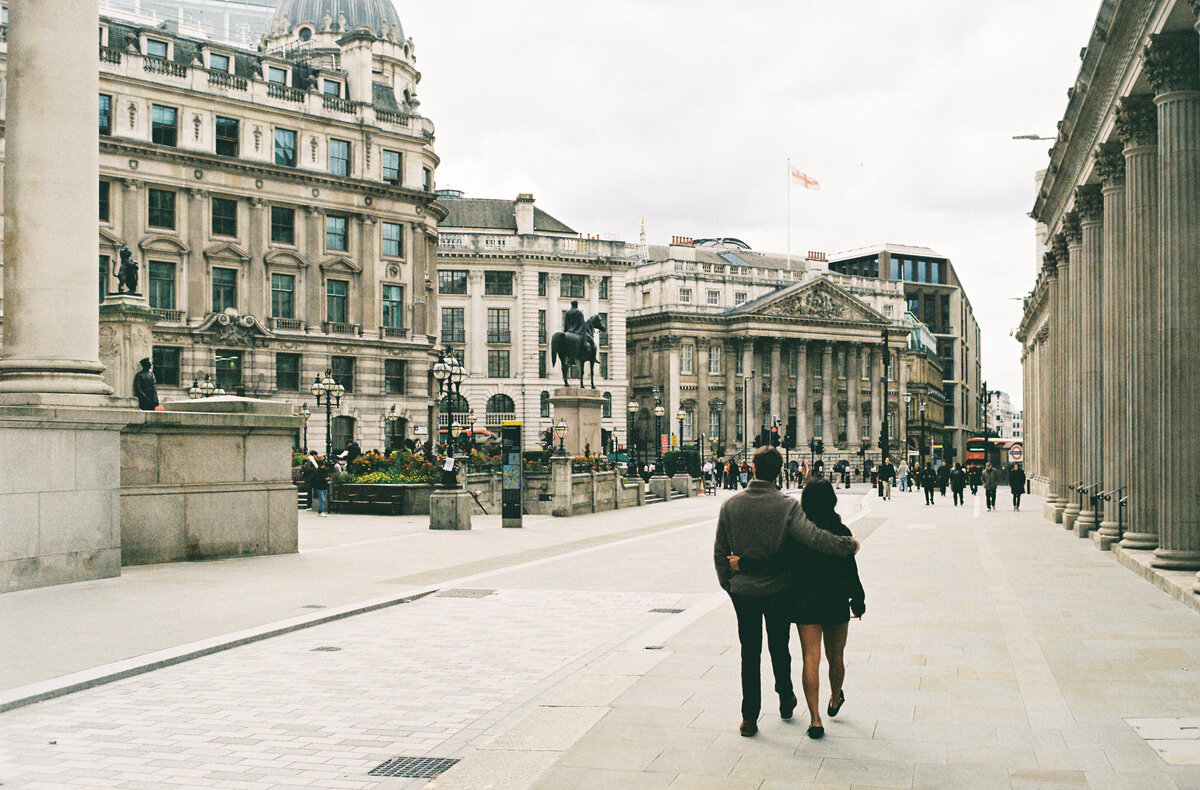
x=787, y=708
x=748, y=729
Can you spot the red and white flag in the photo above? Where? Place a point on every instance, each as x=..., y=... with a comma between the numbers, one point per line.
x=805, y=181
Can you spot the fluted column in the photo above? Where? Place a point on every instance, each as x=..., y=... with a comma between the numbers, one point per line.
x=1072, y=388
x=729, y=371
x=853, y=385
x=700, y=415
x=1173, y=68
x=803, y=395
x=778, y=382
x=750, y=380
x=1051, y=398
x=1137, y=123
x=1090, y=204
x=876, y=369
x=1116, y=351
x=828, y=384
x=1060, y=337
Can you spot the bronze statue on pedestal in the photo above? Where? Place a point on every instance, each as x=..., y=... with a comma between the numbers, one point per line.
x=575, y=343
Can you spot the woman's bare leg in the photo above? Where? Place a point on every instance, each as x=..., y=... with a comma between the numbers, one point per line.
x=810, y=644
x=835, y=647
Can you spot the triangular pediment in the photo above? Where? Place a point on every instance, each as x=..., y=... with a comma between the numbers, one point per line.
x=162, y=243
x=227, y=252
x=340, y=264
x=815, y=300
x=285, y=258
x=108, y=239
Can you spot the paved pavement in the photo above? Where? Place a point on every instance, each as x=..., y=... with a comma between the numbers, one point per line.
x=998, y=651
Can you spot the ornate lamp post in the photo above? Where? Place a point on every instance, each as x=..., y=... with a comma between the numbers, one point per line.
x=391, y=418
x=921, y=454
x=449, y=373
x=659, y=411
x=453, y=435
x=884, y=441
x=561, y=430
x=633, y=409
x=207, y=389
x=679, y=418
x=471, y=428
x=328, y=394
x=304, y=415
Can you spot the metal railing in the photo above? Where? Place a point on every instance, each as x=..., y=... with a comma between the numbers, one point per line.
x=289, y=324
x=163, y=66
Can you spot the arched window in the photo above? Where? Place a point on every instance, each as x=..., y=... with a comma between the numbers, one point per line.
x=455, y=403
x=545, y=403
x=606, y=407
x=500, y=404
x=341, y=431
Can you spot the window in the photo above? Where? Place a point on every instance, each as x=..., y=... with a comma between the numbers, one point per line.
x=342, y=369
x=574, y=286
x=285, y=147
x=391, y=166
x=162, y=208
x=105, y=262
x=393, y=239
x=224, y=217
x=737, y=365
x=287, y=372
x=685, y=295
x=105, y=114
x=224, y=289
x=105, y=188
x=714, y=423
x=394, y=372
x=914, y=306
x=543, y=279
x=544, y=403
x=739, y=298
x=452, y=281
x=218, y=62
x=331, y=88
x=228, y=365
x=226, y=133
x=161, y=285
x=393, y=306
x=603, y=360
x=714, y=298
x=866, y=367
x=689, y=425
x=602, y=339
x=935, y=272
x=277, y=75
x=337, y=297
x=156, y=48
x=427, y=179
x=166, y=365
x=283, y=225
x=163, y=125
x=930, y=311
x=686, y=354
x=606, y=406
x=605, y=287
x=283, y=296
x=542, y=327
x=335, y=232
x=896, y=273
x=714, y=360
x=497, y=363
x=541, y=363
x=498, y=283
x=339, y=157
x=910, y=270
x=945, y=328
x=452, y=325
x=497, y=325
x=841, y=358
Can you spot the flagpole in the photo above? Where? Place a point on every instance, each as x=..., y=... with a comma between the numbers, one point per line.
x=789, y=213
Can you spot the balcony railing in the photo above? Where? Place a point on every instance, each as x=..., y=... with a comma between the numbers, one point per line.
x=338, y=104
x=340, y=328
x=493, y=419
x=162, y=66
x=393, y=331
x=285, y=93
x=288, y=324
x=445, y=419
x=110, y=55
x=170, y=316
x=391, y=116
x=222, y=79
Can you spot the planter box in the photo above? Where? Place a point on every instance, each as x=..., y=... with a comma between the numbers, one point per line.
x=391, y=499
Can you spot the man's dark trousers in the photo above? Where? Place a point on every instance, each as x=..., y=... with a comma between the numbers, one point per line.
x=990, y=496
x=752, y=610
x=958, y=496
x=929, y=496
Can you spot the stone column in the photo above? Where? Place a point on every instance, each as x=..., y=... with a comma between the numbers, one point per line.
x=803, y=396
x=1116, y=351
x=314, y=282
x=1137, y=123
x=778, y=384
x=853, y=385
x=672, y=397
x=1053, y=461
x=729, y=371
x=52, y=165
x=750, y=386
x=475, y=326
x=897, y=428
x=1072, y=384
x=1089, y=203
x=876, y=395
x=1173, y=67
x=828, y=384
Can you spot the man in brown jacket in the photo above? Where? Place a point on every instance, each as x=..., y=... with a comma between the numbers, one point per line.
x=754, y=523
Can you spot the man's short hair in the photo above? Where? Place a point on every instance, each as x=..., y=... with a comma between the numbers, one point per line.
x=767, y=462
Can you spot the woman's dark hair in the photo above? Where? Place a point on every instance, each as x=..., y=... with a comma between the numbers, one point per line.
x=819, y=501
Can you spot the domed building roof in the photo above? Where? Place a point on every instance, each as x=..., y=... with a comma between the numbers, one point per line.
x=359, y=13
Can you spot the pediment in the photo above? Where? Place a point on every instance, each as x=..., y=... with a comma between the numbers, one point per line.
x=233, y=329
x=227, y=252
x=108, y=239
x=162, y=243
x=285, y=258
x=818, y=300
x=340, y=264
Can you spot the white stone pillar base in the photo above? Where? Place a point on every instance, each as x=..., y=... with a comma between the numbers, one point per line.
x=1069, y=516
x=1086, y=523
x=1176, y=559
x=68, y=376
x=1104, y=540
x=450, y=509
x=1142, y=541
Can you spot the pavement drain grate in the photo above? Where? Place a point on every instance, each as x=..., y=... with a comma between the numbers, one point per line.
x=654, y=647
x=325, y=649
x=667, y=611
x=462, y=593
x=414, y=767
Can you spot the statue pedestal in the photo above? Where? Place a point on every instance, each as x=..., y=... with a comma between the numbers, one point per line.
x=580, y=409
x=125, y=339
x=450, y=508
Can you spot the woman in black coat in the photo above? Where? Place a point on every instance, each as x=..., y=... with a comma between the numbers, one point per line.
x=825, y=592
x=1016, y=482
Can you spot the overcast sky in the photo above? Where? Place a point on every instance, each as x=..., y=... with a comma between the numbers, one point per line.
x=686, y=112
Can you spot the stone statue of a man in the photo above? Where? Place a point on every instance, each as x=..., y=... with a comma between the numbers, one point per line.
x=145, y=387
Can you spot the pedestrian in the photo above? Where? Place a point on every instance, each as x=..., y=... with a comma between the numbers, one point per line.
x=887, y=473
x=744, y=474
x=731, y=474
x=902, y=475
x=973, y=478
x=991, y=480
x=755, y=523
x=943, y=476
x=320, y=486
x=928, y=483
x=1016, y=483
x=958, y=481
x=707, y=469
x=311, y=465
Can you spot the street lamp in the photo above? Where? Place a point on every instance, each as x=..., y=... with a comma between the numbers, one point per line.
x=679, y=417
x=883, y=435
x=471, y=428
x=561, y=430
x=746, y=413
x=922, y=452
x=659, y=411
x=449, y=373
x=206, y=389
x=633, y=409
x=328, y=394
x=304, y=415
x=391, y=418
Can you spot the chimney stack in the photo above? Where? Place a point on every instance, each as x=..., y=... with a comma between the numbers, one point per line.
x=524, y=214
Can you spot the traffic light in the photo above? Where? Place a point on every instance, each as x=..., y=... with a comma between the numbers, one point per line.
x=820, y=448
x=774, y=436
x=789, y=441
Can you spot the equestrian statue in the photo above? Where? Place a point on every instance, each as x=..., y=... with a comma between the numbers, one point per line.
x=575, y=343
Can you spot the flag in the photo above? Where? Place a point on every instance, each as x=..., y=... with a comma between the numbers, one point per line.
x=805, y=181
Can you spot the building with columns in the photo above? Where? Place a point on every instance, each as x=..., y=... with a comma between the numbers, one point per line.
x=280, y=203
x=507, y=272
x=713, y=321
x=1111, y=329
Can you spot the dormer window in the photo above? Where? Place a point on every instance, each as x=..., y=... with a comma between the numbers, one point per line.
x=157, y=48
x=277, y=75
x=331, y=88
x=218, y=62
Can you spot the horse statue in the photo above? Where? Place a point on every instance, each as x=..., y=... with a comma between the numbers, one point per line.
x=571, y=347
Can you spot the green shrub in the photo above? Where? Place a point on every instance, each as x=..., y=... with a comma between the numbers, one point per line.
x=679, y=460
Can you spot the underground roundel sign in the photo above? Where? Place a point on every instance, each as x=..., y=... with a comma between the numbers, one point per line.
x=1016, y=454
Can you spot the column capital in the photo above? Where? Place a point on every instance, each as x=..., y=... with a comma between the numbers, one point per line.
x=132, y=184
x=1058, y=248
x=1110, y=162
x=1172, y=61
x=1050, y=263
x=1089, y=202
x=1137, y=120
x=1072, y=228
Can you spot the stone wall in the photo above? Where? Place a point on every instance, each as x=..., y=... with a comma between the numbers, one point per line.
x=590, y=492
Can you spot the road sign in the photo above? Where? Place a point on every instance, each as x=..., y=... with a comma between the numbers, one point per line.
x=1016, y=454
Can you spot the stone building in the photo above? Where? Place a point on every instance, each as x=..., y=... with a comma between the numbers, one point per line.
x=507, y=272
x=1111, y=328
x=711, y=320
x=923, y=399
x=238, y=22
x=281, y=205
x=935, y=295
